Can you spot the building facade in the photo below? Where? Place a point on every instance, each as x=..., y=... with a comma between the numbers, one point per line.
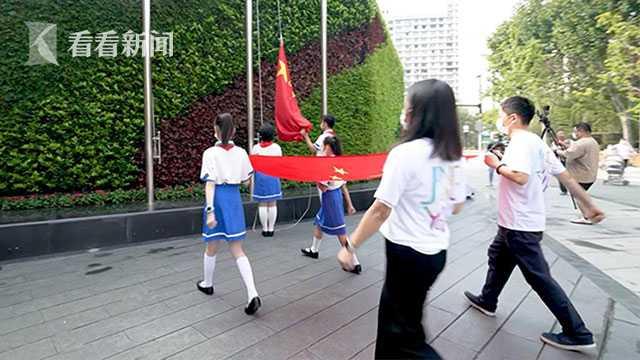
x=427, y=45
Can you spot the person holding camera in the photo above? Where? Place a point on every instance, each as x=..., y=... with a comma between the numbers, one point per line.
x=582, y=159
x=525, y=169
x=562, y=144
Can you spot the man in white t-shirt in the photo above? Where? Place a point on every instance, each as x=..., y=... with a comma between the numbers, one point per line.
x=525, y=170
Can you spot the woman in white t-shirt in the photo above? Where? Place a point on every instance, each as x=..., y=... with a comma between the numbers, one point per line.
x=421, y=185
x=267, y=189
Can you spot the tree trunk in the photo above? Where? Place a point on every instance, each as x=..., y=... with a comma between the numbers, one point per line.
x=623, y=115
x=625, y=121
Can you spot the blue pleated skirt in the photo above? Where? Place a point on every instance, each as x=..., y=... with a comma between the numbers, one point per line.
x=330, y=217
x=266, y=188
x=229, y=215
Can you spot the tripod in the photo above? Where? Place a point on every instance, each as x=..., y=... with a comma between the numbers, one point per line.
x=548, y=130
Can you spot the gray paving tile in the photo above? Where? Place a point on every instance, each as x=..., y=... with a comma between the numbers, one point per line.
x=530, y=320
x=164, y=346
x=304, y=355
x=25, y=336
x=35, y=351
x=623, y=341
x=99, y=349
x=367, y=353
x=16, y=298
x=317, y=302
x=510, y=347
x=20, y=322
x=147, y=306
x=226, y=344
x=436, y=320
x=348, y=340
x=177, y=320
x=451, y=350
x=305, y=333
x=76, y=338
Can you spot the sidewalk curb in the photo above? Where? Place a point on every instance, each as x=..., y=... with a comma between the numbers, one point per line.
x=610, y=286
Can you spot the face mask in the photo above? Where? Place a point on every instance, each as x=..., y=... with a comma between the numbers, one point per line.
x=403, y=121
x=501, y=127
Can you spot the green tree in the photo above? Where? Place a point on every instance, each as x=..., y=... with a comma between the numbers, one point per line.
x=556, y=52
x=623, y=56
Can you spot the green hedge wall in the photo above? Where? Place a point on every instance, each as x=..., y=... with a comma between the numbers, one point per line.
x=77, y=126
x=366, y=100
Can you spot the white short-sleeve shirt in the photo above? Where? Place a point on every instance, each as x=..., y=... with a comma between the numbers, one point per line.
x=225, y=165
x=421, y=190
x=271, y=149
x=522, y=207
x=319, y=144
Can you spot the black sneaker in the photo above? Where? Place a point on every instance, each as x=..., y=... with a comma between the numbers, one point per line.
x=308, y=252
x=270, y=233
x=565, y=342
x=476, y=302
x=206, y=290
x=253, y=306
x=265, y=234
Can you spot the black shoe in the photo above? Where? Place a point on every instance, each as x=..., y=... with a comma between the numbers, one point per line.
x=357, y=269
x=476, y=302
x=206, y=290
x=265, y=234
x=253, y=306
x=270, y=233
x=309, y=253
x=564, y=342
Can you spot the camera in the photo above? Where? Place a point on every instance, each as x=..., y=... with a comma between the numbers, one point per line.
x=544, y=116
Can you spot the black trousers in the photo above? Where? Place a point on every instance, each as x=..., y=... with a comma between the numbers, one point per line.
x=409, y=276
x=521, y=248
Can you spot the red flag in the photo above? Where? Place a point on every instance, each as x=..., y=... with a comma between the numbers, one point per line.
x=347, y=167
x=289, y=120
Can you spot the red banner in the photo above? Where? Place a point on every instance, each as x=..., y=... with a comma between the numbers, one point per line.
x=322, y=168
x=289, y=119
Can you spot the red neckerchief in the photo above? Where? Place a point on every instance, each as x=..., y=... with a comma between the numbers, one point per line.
x=265, y=144
x=226, y=146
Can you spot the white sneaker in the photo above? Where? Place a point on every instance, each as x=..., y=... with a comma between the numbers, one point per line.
x=582, y=221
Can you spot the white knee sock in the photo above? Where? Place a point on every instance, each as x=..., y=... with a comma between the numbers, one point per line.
x=247, y=276
x=315, y=244
x=264, y=217
x=272, y=216
x=209, y=268
x=355, y=260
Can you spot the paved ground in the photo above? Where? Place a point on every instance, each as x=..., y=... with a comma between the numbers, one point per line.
x=141, y=302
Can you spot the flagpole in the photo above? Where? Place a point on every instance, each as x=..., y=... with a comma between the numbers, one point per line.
x=323, y=42
x=249, y=40
x=148, y=101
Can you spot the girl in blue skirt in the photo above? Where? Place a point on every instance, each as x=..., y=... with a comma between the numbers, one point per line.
x=224, y=168
x=330, y=217
x=266, y=189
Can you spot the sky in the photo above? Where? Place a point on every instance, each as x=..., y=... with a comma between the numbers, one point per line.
x=478, y=20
